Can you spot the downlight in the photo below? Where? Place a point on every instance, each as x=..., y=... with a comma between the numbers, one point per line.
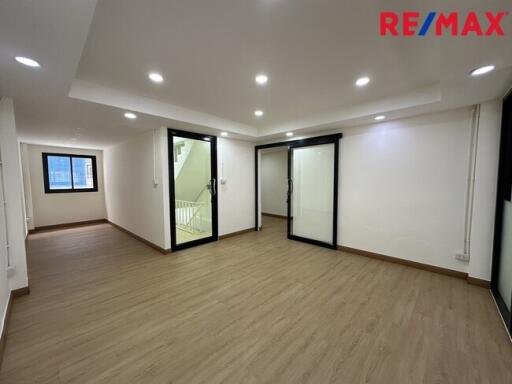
x=362, y=81
x=27, y=61
x=261, y=79
x=156, y=77
x=482, y=70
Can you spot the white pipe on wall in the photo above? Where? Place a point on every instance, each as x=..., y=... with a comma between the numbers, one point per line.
x=473, y=146
x=26, y=188
x=156, y=156
x=222, y=177
x=4, y=209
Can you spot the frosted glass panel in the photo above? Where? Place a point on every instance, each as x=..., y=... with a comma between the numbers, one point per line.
x=505, y=269
x=312, y=193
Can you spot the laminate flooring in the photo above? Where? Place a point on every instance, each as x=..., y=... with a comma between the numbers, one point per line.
x=253, y=308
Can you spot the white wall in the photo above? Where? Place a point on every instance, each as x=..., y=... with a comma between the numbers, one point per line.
x=16, y=276
x=236, y=196
x=133, y=201
x=274, y=184
x=61, y=208
x=486, y=175
x=402, y=188
x=403, y=185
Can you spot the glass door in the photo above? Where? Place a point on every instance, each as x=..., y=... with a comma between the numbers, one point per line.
x=193, y=188
x=313, y=190
x=501, y=281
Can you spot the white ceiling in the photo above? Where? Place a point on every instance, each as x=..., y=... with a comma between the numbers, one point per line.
x=95, y=59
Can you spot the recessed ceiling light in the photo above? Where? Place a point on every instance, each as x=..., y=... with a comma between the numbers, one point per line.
x=258, y=113
x=482, y=70
x=207, y=138
x=380, y=117
x=362, y=81
x=261, y=79
x=156, y=77
x=289, y=134
x=130, y=115
x=28, y=62
x=224, y=134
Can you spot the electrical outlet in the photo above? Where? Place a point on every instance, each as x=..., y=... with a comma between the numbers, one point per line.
x=462, y=256
x=11, y=270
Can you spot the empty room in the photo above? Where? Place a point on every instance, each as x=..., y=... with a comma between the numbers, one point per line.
x=255, y=192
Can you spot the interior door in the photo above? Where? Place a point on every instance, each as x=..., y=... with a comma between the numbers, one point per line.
x=193, y=188
x=313, y=190
x=501, y=281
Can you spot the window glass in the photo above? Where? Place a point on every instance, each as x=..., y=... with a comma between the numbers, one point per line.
x=82, y=173
x=59, y=172
x=69, y=173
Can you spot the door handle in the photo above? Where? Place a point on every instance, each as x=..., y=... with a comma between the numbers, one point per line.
x=290, y=190
x=214, y=186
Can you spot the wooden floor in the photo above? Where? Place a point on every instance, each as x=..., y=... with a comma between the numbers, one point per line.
x=255, y=308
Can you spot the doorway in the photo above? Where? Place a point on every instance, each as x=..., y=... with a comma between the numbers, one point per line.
x=192, y=189
x=274, y=189
x=311, y=190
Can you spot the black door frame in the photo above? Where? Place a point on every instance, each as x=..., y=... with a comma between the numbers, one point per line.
x=503, y=193
x=328, y=139
x=309, y=143
x=172, y=194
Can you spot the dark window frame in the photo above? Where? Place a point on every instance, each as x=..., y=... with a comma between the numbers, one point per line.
x=72, y=189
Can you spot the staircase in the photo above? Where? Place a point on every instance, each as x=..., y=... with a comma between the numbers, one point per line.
x=181, y=151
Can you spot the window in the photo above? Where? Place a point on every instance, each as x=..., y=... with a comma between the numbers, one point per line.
x=69, y=173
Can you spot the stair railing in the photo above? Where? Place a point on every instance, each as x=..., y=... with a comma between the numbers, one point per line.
x=189, y=216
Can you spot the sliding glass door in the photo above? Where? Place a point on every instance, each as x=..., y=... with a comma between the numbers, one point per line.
x=501, y=282
x=193, y=188
x=313, y=190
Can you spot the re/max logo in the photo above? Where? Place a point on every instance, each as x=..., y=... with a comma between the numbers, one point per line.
x=487, y=24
